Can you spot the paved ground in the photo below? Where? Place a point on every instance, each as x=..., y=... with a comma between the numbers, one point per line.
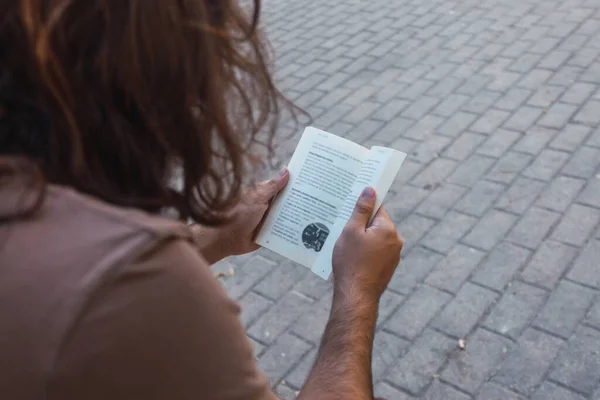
x=498, y=104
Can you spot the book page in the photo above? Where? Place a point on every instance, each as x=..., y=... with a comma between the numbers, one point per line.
x=323, y=170
x=378, y=170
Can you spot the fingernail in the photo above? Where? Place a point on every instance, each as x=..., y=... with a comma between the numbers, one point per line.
x=368, y=193
x=283, y=172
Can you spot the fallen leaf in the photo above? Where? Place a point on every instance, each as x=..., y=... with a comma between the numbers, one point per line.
x=229, y=273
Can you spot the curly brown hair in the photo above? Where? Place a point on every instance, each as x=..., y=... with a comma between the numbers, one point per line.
x=109, y=97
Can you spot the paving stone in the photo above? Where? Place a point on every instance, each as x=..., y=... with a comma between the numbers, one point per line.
x=413, y=269
x=526, y=62
x=590, y=195
x=585, y=270
x=545, y=96
x=509, y=167
x=253, y=306
x=457, y=124
x=589, y=115
x=561, y=193
x=517, y=307
x=498, y=143
x=298, y=375
x=505, y=80
x=550, y=391
x=435, y=173
x=310, y=326
x=456, y=267
x=390, y=110
x=594, y=139
x=524, y=368
x=480, y=198
x=546, y=165
x=285, y=392
x=558, y=115
x=420, y=108
x=542, y=220
x=520, y=195
x=401, y=204
x=387, y=350
x=384, y=391
x=364, y=131
x=490, y=121
x=584, y=163
x=313, y=286
x=523, y=119
x=437, y=204
x=593, y=316
x=416, y=312
x=490, y=230
x=247, y=276
x=481, y=102
x=413, y=228
x=471, y=170
x=272, y=324
x=544, y=45
x=464, y=311
x=535, y=78
x=430, y=148
x=566, y=75
x=416, y=89
x=578, y=365
x=278, y=359
x=578, y=93
x=536, y=139
x=473, y=83
x=416, y=369
x=464, y=146
x=500, y=266
x=570, y=138
x=394, y=129
x=424, y=128
x=513, y=99
x=548, y=264
x=492, y=391
x=577, y=225
x=565, y=309
x=469, y=369
x=388, y=303
x=439, y=390
x=450, y=105
x=281, y=280
x=448, y=232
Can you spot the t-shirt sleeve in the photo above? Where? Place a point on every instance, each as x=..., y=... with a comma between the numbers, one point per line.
x=163, y=328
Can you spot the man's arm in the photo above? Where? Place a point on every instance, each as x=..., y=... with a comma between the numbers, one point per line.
x=343, y=366
x=364, y=260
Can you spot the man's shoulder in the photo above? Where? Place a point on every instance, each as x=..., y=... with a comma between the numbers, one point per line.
x=66, y=204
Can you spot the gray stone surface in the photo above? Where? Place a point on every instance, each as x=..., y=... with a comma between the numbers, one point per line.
x=497, y=104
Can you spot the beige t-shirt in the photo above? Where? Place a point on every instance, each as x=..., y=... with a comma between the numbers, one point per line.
x=99, y=302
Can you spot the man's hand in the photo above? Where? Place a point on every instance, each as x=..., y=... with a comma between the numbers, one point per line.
x=236, y=237
x=366, y=256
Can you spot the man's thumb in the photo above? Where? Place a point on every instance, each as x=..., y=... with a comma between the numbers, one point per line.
x=364, y=207
x=268, y=189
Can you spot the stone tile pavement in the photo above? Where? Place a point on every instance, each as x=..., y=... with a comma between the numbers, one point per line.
x=497, y=103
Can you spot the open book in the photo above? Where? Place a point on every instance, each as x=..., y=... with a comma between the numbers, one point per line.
x=327, y=175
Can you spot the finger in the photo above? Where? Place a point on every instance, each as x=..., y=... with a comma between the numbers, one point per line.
x=265, y=191
x=364, y=208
